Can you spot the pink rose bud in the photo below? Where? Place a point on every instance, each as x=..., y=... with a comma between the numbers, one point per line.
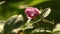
x=32, y=12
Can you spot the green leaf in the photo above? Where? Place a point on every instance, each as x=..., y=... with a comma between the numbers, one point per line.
x=28, y=31
x=41, y=33
x=57, y=27
x=2, y=2
x=56, y=32
x=46, y=12
x=2, y=23
x=13, y=23
x=35, y=2
x=32, y=2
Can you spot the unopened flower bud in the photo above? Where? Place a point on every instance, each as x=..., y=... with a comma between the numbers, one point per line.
x=32, y=12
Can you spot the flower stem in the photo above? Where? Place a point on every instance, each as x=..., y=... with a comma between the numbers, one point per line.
x=25, y=25
x=44, y=20
x=28, y=21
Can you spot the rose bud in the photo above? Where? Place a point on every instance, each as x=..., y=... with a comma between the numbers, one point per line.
x=32, y=12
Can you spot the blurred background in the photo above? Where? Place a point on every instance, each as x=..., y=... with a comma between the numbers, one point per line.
x=9, y=8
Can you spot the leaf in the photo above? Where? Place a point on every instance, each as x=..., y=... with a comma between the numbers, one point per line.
x=2, y=2
x=57, y=27
x=35, y=2
x=41, y=33
x=28, y=31
x=56, y=32
x=13, y=23
x=28, y=3
x=2, y=23
x=46, y=12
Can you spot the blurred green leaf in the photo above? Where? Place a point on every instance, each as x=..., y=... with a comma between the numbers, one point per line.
x=13, y=23
x=28, y=31
x=2, y=2
x=41, y=33
x=56, y=32
x=57, y=27
x=35, y=2
x=46, y=12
